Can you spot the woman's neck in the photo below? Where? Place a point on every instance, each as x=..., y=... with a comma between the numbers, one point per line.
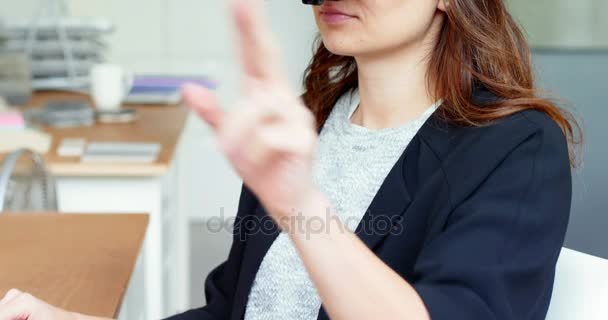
x=393, y=85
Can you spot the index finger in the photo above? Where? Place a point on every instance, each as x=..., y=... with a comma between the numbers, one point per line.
x=259, y=50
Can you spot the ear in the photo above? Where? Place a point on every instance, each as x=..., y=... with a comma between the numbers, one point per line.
x=442, y=5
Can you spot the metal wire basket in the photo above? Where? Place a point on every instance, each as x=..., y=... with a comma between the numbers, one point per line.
x=25, y=184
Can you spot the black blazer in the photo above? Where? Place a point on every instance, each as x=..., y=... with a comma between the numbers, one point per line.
x=477, y=220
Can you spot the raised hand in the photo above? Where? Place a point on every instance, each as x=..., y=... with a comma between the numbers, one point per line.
x=270, y=139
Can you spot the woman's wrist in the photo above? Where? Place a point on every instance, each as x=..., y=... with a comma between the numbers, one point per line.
x=313, y=216
x=291, y=213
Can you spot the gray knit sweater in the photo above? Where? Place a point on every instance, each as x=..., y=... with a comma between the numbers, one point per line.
x=350, y=165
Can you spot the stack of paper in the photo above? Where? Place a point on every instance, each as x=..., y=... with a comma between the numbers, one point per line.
x=123, y=152
x=63, y=114
x=34, y=140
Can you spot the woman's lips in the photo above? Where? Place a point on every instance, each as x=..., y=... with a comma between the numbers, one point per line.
x=334, y=17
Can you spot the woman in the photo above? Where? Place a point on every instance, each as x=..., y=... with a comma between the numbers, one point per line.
x=433, y=145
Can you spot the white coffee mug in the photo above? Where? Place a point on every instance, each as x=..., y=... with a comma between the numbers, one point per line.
x=109, y=86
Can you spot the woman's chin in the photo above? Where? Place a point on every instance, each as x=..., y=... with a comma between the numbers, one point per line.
x=339, y=47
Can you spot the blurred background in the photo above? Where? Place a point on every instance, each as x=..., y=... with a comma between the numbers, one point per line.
x=195, y=37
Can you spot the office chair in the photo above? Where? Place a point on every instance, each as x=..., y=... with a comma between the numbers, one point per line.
x=25, y=184
x=581, y=287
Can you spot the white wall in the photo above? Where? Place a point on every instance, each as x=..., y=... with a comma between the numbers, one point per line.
x=563, y=23
x=184, y=35
x=194, y=37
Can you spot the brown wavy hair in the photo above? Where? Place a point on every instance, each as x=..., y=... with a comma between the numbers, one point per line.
x=479, y=45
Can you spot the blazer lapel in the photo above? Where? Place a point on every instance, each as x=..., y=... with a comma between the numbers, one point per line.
x=385, y=213
x=386, y=209
x=393, y=198
x=265, y=231
x=388, y=205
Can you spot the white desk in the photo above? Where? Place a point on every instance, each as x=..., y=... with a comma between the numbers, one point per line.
x=160, y=285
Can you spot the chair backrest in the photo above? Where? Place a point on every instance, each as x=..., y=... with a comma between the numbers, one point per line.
x=25, y=184
x=581, y=287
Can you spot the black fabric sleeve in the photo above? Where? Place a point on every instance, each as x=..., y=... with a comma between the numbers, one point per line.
x=495, y=258
x=220, y=284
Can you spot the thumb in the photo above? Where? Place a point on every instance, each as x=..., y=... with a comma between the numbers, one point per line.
x=204, y=103
x=10, y=295
x=18, y=308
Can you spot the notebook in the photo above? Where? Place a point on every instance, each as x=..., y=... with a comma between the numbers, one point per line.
x=11, y=120
x=162, y=89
